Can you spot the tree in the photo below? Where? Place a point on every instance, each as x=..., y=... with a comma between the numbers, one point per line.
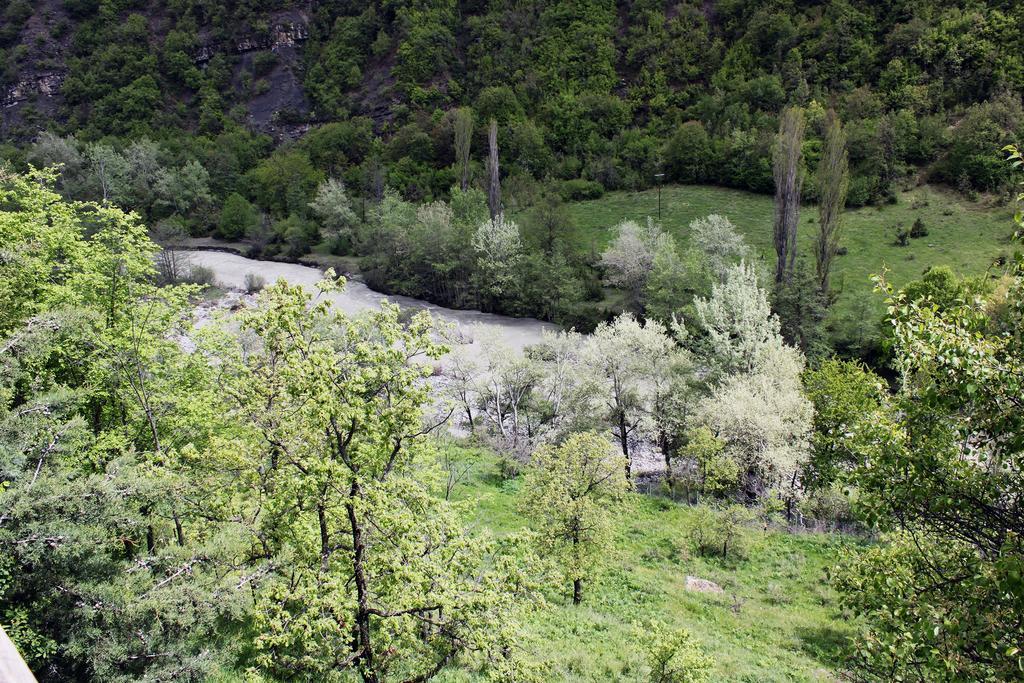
x=108, y=170
x=102, y=574
x=506, y=382
x=184, y=190
x=499, y=249
x=721, y=244
x=787, y=169
x=765, y=422
x=569, y=490
x=463, y=141
x=666, y=288
x=716, y=472
x=334, y=209
x=238, y=218
x=940, y=472
x=688, y=154
x=833, y=181
x=737, y=322
x=843, y=394
x=49, y=150
x=676, y=657
x=629, y=259
x=494, y=179
x=801, y=306
x=365, y=568
x=627, y=362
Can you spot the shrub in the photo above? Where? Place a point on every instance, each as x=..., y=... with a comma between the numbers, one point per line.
x=720, y=533
x=918, y=229
x=254, y=283
x=579, y=189
x=676, y=657
x=902, y=236
x=201, y=275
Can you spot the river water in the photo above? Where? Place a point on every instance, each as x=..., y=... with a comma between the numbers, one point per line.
x=230, y=270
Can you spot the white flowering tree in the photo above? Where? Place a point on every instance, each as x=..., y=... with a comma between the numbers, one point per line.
x=765, y=421
x=719, y=242
x=629, y=259
x=737, y=321
x=621, y=359
x=499, y=249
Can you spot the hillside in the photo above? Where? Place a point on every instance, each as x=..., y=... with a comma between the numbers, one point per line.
x=286, y=125
x=970, y=237
x=594, y=89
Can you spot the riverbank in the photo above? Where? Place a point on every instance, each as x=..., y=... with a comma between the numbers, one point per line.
x=230, y=270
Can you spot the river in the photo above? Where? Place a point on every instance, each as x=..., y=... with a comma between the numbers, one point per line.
x=230, y=270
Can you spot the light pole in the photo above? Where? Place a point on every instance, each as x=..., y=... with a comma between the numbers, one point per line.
x=659, y=176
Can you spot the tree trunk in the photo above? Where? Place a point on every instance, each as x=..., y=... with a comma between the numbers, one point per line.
x=494, y=184
x=624, y=444
x=577, y=591
x=364, y=641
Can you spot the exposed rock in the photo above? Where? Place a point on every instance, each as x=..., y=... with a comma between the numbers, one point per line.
x=47, y=84
x=283, y=35
x=702, y=585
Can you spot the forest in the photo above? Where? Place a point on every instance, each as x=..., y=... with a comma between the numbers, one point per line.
x=704, y=361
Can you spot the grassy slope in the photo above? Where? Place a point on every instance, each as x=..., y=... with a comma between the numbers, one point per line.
x=966, y=236
x=786, y=627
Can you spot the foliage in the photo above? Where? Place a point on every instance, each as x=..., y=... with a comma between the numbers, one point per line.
x=939, y=468
x=676, y=657
x=106, y=574
x=333, y=207
x=716, y=472
x=765, y=421
x=629, y=259
x=722, y=532
x=843, y=394
x=737, y=321
x=570, y=489
x=238, y=218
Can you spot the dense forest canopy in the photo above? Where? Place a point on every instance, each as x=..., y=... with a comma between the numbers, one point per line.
x=608, y=92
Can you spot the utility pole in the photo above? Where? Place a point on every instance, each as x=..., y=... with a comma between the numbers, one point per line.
x=659, y=176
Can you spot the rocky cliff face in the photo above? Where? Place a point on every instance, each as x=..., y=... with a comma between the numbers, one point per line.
x=31, y=98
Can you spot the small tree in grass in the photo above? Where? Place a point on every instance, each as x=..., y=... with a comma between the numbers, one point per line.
x=675, y=657
x=570, y=490
x=716, y=473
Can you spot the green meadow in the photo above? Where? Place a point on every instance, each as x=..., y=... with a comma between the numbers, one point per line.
x=968, y=236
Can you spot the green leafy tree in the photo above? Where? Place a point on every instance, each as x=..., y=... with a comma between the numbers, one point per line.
x=238, y=218
x=570, y=490
x=940, y=472
x=106, y=574
x=844, y=393
x=367, y=569
x=675, y=656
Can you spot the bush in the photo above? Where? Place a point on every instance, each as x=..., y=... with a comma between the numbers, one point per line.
x=675, y=657
x=579, y=190
x=254, y=283
x=902, y=236
x=918, y=229
x=201, y=275
x=721, y=533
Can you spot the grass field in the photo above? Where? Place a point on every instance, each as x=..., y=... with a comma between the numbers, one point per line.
x=776, y=621
x=966, y=236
